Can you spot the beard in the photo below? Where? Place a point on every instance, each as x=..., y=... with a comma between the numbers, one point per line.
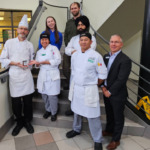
x=76, y=14
x=22, y=35
x=80, y=31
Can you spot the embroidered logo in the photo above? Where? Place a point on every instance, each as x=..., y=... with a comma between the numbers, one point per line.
x=91, y=59
x=99, y=64
x=43, y=54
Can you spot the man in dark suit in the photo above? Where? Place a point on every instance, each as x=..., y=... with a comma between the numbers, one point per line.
x=115, y=90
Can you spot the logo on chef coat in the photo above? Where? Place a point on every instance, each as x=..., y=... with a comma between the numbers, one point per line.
x=43, y=54
x=99, y=64
x=91, y=59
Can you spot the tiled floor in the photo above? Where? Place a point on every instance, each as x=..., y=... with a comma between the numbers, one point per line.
x=49, y=138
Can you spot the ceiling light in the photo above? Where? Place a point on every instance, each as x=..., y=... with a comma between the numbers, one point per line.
x=29, y=19
x=1, y=18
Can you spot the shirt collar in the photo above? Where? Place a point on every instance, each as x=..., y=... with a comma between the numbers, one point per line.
x=115, y=54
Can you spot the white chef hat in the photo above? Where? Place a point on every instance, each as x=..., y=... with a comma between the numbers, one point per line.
x=24, y=21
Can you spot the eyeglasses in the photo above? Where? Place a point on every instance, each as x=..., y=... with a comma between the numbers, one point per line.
x=114, y=42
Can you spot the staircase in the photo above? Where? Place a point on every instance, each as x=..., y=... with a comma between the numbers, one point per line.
x=130, y=127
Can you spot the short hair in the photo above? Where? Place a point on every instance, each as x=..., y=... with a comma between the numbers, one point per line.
x=118, y=36
x=78, y=4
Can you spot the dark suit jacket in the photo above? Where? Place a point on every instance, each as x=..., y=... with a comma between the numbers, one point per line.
x=118, y=75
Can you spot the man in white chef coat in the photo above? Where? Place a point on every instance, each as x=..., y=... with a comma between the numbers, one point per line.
x=16, y=55
x=88, y=71
x=82, y=23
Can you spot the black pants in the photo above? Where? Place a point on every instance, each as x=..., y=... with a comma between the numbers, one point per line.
x=66, y=67
x=22, y=105
x=114, y=116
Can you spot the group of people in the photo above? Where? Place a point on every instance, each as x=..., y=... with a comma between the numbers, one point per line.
x=88, y=72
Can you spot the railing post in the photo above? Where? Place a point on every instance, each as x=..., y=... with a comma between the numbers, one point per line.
x=145, y=52
x=40, y=2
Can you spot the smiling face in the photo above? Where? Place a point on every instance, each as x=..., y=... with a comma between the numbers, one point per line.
x=75, y=10
x=51, y=23
x=22, y=32
x=44, y=42
x=115, y=43
x=85, y=43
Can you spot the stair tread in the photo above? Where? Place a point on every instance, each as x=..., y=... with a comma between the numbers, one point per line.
x=128, y=122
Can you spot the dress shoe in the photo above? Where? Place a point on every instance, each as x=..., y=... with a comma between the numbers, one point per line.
x=113, y=145
x=17, y=129
x=46, y=115
x=98, y=146
x=29, y=127
x=105, y=133
x=72, y=134
x=69, y=113
x=54, y=117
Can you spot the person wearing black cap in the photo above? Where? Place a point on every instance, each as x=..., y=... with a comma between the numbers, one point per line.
x=82, y=23
x=48, y=83
x=88, y=71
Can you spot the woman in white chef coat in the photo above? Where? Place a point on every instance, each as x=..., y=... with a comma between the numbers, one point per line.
x=48, y=59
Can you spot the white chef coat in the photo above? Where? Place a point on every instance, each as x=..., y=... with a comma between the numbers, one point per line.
x=49, y=76
x=74, y=45
x=87, y=68
x=20, y=80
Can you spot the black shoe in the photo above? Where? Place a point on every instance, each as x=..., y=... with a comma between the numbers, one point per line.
x=98, y=146
x=46, y=115
x=69, y=112
x=54, y=117
x=17, y=129
x=71, y=134
x=29, y=127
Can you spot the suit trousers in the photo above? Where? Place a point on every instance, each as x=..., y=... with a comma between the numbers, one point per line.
x=115, y=116
x=22, y=105
x=94, y=125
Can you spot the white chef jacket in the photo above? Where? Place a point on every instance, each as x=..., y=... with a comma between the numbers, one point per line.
x=87, y=68
x=49, y=76
x=74, y=45
x=20, y=80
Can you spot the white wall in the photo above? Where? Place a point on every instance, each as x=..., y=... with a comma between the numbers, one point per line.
x=132, y=48
x=5, y=108
x=99, y=11
x=19, y=4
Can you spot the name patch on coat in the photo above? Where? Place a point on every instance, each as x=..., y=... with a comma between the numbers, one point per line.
x=43, y=54
x=91, y=59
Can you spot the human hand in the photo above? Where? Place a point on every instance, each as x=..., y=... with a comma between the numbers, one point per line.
x=33, y=62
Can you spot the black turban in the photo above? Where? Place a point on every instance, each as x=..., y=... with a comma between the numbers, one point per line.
x=84, y=20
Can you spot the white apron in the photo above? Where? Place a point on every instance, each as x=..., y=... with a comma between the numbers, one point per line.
x=49, y=76
x=20, y=80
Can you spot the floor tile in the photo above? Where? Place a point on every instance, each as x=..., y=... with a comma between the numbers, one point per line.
x=8, y=136
x=25, y=142
x=84, y=141
x=142, y=141
x=51, y=146
x=58, y=134
x=43, y=138
x=22, y=133
x=68, y=144
x=7, y=145
x=38, y=129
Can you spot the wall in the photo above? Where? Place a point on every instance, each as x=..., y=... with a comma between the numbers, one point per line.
x=4, y=103
x=19, y=4
x=132, y=48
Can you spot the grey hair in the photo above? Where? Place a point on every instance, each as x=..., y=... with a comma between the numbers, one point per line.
x=118, y=36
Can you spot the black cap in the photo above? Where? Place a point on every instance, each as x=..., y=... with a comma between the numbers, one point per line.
x=44, y=35
x=86, y=34
x=84, y=20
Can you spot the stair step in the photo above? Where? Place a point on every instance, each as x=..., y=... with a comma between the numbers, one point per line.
x=67, y=122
